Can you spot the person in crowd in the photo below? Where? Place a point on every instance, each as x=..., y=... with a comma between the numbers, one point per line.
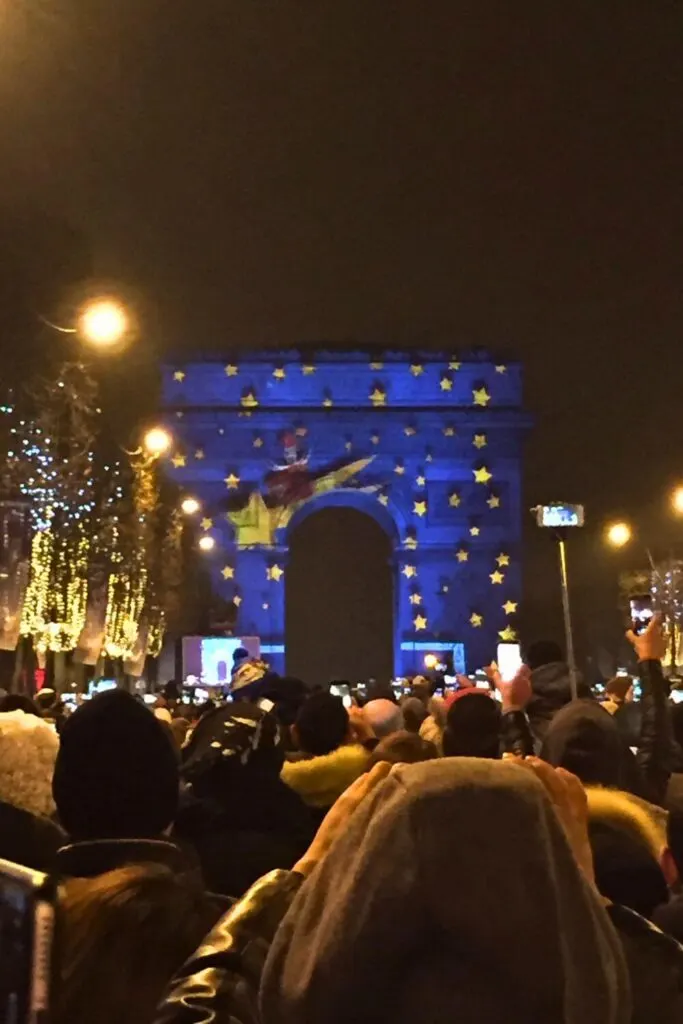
x=550, y=685
x=238, y=815
x=618, y=692
x=669, y=916
x=402, y=748
x=473, y=725
x=19, y=702
x=180, y=728
x=434, y=724
x=457, y=955
x=50, y=707
x=122, y=937
x=329, y=754
x=28, y=750
x=414, y=713
x=421, y=688
x=383, y=716
x=116, y=788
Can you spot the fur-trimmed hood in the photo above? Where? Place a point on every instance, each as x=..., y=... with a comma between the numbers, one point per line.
x=320, y=781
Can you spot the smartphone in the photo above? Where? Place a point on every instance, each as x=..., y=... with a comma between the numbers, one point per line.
x=343, y=691
x=27, y=927
x=641, y=612
x=557, y=515
x=509, y=660
x=677, y=696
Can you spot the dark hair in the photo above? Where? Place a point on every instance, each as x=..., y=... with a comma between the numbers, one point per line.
x=472, y=726
x=543, y=652
x=19, y=702
x=124, y=935
x=240, y=654
x=414, y=713
x=322, y=724
x=403, y=748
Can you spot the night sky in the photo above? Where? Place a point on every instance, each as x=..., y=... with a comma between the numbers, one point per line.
x=262, y=172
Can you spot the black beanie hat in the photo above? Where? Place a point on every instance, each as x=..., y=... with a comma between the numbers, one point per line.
x=116, y=775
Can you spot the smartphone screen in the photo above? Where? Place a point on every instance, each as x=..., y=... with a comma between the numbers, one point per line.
x=677, y=696
x=641, y=612
x=26, y=935
x=509, y=659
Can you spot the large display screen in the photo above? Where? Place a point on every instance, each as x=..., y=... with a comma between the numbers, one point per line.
x=208, y=660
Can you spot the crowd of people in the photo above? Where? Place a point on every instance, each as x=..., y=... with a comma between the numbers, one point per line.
x=280, y=858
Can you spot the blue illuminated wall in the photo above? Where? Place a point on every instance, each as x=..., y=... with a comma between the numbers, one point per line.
x=428, y=445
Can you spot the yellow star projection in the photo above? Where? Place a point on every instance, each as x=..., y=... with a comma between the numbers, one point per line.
x=493, y=501
x=375, y=438
x=420, y=508
x=230, y=370
x=257, y=442
x=399, y=468
x=307, y=369
x=327, y=402
x=279, y=373
x=503, y=560
x=483, y=475
x=501, y=369
x=448, y=431
x=378, y=397
x=249, y=400
x=199, y=454
x=446, y=384
x=476, y=620
x=481, y=397
x=496, y=576
x=454, y=499
x=479, y=440
x=275, y=573
x=454, y=365
x=206, y=523
x=178, y=461
x=179, y=375
x=377, y=366
x=420, y=481
x=474, y=531
x=237, y=600
x=417, y=369
x=228, y=572
x=383, y=499
x=409, y=571
x=232, y=481
x=510, y=607
x=462, y=555
x=420, y=623
x=301, y=431
x=409, y=431
x=415, y=598
x=507, y=635
x=410, y=543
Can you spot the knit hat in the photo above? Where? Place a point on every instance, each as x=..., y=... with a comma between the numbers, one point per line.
x=116, y=775
x=384, y=716
x=28, y=748
x=248, y=679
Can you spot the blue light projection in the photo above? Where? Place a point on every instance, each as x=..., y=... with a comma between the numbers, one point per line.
x=429, y=445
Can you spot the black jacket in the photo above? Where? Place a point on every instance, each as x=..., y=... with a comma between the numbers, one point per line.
x=28, y=839
x=220, y=983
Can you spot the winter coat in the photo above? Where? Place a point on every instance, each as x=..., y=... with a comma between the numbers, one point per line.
x=28, y=839
x=551, y=689
x=320, y=781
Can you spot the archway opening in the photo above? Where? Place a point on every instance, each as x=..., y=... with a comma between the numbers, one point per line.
x=339, y=598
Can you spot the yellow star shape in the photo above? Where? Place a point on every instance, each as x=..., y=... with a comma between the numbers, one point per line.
x=199, y=454
x=279, y=373
x=419, y=622
x=503, y=560
x=420, y=480
x=275, y=573
x=482, y=476
x=496, y=576
x=179, y=375
x=417, y=370
x=510, y=607
x=232, y=481
x=378, y=397
x=399, y=468
x=448, y=431
x=227, y=572
x=480, y=440
x=476, y=620
x=420, y=508
x=410, y=543
x=376, y=366
x=493, y=501
x=327, y=402
x=409, y=571
x=258, y=442
x=409, y=431
x=178, y=461
x=206, y=523
x=446, y=384
x=307, y=369
x=249, y=401
x=383, y=499
x=454, y=499
x=507, y=635
x=374, y=438
x=462, y=555
x=230, y=370
x=415, y=598
x=481, y=396
x=474, y=531
x=501, y=369
x=237, y=600
x=301, y=431
x=454, y=365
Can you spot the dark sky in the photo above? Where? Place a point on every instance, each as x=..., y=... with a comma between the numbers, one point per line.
x=267, y=171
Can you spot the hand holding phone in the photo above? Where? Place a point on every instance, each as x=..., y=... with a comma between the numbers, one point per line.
x=650, y=645
x=27, y=915
x=641, y=612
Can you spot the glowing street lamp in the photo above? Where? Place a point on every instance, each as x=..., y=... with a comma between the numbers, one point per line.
x=103, y=323
x=206, y=543
x=431, y=661
x=190, y=506
x=677, y=500
x=618, y=534
x=157, y=441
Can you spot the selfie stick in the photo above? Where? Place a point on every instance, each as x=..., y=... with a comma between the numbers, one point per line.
x=569, y=637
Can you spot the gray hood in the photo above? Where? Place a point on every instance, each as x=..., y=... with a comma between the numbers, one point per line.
x=551, y=690
x=453, y=895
